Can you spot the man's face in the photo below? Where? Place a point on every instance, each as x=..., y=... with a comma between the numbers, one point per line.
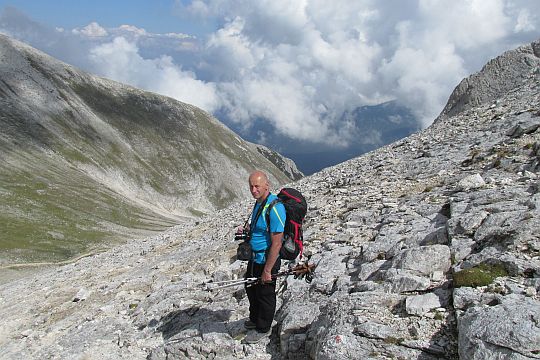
x=258, y=187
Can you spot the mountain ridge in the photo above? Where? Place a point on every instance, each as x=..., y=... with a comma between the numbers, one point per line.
x=87, y=159
x=499, y=76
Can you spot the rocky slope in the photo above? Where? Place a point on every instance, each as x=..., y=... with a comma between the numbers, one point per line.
x=498, y=77
x=85, y=159
x=425, y=249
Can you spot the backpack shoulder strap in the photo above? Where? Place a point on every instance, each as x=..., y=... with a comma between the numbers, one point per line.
x=267, y=214
x=259, y=212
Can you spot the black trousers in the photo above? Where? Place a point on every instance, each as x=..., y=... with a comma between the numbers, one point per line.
x=262, y=297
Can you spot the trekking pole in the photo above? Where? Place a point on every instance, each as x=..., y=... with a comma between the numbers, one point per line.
x=301, y=271
x=230, y=283
x=224, y=282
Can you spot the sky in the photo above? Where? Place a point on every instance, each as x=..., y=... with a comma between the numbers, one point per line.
x=294, y=66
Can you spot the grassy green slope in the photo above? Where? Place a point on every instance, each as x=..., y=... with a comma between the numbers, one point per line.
x=87, y=161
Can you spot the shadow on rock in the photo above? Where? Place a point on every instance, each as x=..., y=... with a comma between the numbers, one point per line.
x=197, y=319
x=443, y=343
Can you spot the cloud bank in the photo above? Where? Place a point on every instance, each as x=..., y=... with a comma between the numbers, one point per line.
x=300, y=66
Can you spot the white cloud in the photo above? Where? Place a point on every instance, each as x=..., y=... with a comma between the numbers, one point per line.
x=120, y=60
x=301, y=66
x=415, y=76
x=91, y=30
x=466, y=24
x=524, y=22
x=312, y=62
x=133, y=29
x=292, y=76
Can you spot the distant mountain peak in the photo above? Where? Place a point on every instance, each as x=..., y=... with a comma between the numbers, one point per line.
x=497, y=77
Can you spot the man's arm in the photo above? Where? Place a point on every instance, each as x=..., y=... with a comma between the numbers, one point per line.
x=272, y=256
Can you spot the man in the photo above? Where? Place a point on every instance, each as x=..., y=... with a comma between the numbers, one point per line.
x=265, y=245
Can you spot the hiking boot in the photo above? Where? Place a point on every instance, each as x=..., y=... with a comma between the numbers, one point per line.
x=255, y=336
x=248, y=324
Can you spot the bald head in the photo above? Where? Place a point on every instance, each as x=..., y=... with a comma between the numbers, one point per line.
x=259, y=186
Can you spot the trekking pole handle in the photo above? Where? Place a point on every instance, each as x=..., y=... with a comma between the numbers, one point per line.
x=303, y=269
x=299, y=271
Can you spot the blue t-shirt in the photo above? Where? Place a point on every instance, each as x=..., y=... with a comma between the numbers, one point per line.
x=260, y=237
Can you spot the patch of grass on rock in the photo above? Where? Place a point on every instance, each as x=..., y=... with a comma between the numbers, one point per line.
x=480, y=275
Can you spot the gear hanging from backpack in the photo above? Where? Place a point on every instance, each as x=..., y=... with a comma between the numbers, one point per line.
x=296, y=208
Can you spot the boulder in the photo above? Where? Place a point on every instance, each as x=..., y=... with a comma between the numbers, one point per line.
x=509, y=330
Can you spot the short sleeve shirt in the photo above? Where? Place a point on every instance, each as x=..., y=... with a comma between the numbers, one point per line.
x=260, y=237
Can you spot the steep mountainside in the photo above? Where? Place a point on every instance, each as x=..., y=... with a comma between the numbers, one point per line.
x=86, y=159
x=497, y=78
x=427, y=248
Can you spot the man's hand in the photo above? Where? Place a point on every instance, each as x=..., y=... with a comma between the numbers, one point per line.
x=242, y=229
x=273, y=254
x=266, y=277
